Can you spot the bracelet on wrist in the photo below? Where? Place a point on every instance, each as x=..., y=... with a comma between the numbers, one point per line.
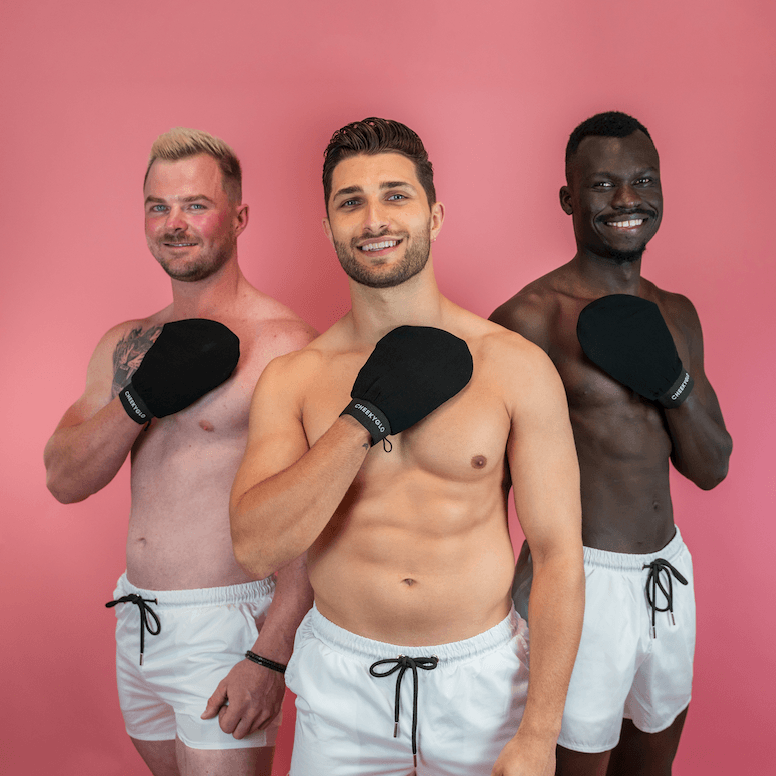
x=266, y=662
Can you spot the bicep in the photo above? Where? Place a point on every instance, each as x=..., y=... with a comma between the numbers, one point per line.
x=99, y=382
x=543, y=464
x=703, y=389
x=276, y=436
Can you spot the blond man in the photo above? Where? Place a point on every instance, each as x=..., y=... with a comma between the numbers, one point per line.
x=173, y=390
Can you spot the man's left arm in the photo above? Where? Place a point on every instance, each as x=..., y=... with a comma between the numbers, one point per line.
x=701, y=443
x=545, y=477
x=251, y=695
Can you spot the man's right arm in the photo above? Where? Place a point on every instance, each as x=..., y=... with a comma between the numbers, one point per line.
x=285, y=491
x=94, y=436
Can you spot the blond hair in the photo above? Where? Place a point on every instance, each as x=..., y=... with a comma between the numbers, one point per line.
x=180, y=143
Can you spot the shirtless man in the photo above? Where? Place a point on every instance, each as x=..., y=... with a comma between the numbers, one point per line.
x=191, y=702
x=633, y=408
x=408, y=539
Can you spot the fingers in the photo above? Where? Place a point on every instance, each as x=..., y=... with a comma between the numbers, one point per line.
x=215, y=702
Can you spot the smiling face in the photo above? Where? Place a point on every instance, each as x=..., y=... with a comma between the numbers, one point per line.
x=614, y=196
x=191, y=224
x=379, y=221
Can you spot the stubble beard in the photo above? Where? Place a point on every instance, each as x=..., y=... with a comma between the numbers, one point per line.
x=207, y=263
x=626, y=257
x=415, y=259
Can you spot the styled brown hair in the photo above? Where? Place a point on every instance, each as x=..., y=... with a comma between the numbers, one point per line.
x=180, y=143
x=377, y=136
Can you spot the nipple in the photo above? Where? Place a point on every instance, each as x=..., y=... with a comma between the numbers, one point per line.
x=206, y=425
x=479, y=462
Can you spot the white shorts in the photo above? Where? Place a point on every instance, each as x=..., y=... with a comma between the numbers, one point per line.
x=204, y=633
x=468, y=707
x=621, y=671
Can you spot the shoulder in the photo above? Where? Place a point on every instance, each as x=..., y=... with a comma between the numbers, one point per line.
x=132, y=331
x=530, y=311
x=676, y=308
x=285, y=335
x=506, y=356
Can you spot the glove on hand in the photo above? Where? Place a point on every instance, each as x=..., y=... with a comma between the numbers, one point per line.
x=411, y=372
x=627, y=337
x=188, y=359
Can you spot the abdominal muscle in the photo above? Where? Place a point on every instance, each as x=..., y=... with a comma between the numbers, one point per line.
x=415, y=571
x=179, y=537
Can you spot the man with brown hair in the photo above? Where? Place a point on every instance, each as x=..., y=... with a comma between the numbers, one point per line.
x=631, y=359
x=173, y=389
x=401, y=500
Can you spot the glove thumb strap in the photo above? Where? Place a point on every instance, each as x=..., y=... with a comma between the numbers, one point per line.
x=371, y=418
x=135, y=407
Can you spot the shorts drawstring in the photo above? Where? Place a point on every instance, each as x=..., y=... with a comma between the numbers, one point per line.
x=401, y=664
x=145, y=612
x=654, y=581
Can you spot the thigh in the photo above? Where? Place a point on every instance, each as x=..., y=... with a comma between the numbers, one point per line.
x=646, y=754
x=571, y=763
x=235, y=762
x=159, y=756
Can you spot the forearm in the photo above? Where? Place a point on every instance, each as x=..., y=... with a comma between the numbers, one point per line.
x=701, y=443
x=83, y=458
x=277, y=519
x=292, y=600
x=556, y=610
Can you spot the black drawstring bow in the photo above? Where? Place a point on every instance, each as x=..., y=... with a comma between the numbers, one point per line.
x=145, y=612
x=401, y=664
x=654, y=581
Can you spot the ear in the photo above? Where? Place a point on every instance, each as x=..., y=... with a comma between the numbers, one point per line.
x=565, y=200
x=241, y=219
x=327, y=230
x=437, y=219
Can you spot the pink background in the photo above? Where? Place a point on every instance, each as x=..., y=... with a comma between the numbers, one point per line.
x=493, y=88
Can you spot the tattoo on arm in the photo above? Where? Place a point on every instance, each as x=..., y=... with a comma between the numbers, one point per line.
x=129, y=353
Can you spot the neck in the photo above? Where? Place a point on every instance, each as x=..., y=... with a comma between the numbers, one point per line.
x=605, y=276
x=209, y=297
x=417, y=302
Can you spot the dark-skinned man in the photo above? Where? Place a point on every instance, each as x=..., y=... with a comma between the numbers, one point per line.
x=631, y=359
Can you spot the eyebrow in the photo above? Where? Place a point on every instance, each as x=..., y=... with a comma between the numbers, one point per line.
x=347, y=190
x=194, y=198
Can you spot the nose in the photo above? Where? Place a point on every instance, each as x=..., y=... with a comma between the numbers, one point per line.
x=175, y=221
x=375, y=217
x=625, y=197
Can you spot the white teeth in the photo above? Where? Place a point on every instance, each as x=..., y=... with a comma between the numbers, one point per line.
x=626, y=224
x=379, y=246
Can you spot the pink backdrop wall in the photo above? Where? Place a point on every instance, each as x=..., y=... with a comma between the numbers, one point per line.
x=494, y=88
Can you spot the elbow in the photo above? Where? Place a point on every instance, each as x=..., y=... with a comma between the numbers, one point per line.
x=62, y=490
x=252, y=562
x=712, y=478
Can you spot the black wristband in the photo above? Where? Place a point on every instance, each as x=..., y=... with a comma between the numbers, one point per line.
x=136, y=408
x=266, y=662
x=678, y=392
x=370, y=418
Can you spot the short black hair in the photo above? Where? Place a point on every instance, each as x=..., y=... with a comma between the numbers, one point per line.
x=610, y=124
x=376, y=136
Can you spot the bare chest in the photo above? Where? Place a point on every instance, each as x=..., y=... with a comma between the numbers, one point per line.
x=463, y=440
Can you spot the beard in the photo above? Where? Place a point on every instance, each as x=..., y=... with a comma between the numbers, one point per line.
x=206, y=264
x=626, y=257
x=415, y=258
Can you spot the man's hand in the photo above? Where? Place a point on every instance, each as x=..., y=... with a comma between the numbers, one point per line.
x=526, y=756
x=247, y=699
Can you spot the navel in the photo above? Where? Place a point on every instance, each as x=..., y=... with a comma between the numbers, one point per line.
x=206, y=425
x=408, y=582
x=479, y=462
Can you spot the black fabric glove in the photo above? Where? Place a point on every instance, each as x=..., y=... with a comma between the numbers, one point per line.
x=411, y=372
x=627, y=337
x=188, y=359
